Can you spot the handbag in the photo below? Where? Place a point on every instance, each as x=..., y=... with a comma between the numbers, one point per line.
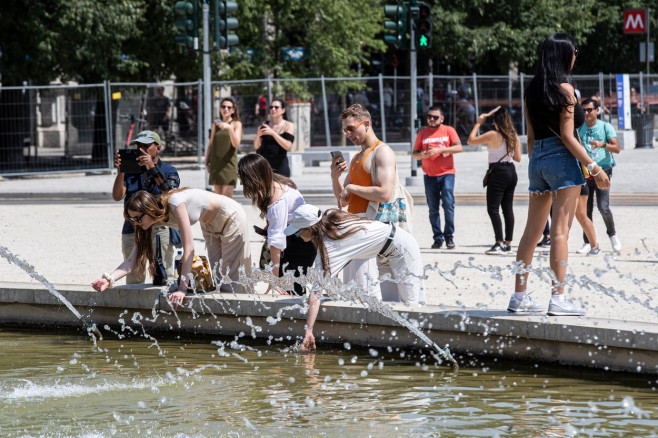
x=398, y=209
x=160, y=275
x=202, y=279
x=485, y=181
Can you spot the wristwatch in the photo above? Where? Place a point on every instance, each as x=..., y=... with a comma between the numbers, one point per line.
x=591, y=166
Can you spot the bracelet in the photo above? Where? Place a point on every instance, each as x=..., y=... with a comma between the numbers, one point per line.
x=109, y=278
x=594, y=174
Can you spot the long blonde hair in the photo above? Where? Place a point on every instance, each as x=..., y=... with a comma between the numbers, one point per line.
x=334, y=224
x=155, y=207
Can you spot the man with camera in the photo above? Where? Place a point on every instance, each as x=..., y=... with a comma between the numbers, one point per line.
x=142, y=169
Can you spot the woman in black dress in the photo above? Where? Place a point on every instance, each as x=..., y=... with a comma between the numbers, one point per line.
x=274, y=138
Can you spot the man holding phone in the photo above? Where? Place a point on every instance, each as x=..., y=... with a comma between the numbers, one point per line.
x=156, y=177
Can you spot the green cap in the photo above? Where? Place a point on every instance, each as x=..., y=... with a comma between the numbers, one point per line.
x=147, y=137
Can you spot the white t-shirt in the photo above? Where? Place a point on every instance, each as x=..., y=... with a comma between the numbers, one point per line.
x=363, y=244
x=279, y=215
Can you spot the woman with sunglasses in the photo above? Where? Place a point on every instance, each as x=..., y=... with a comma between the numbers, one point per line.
x=276, y=196
x=503, y=146
x=341, y=237
x=552, y=115
x=274, y=138
x=222, y=153
x=224, y=225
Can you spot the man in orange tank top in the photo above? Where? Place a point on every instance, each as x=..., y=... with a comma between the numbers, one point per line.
x=435, y=145
x=357, y=189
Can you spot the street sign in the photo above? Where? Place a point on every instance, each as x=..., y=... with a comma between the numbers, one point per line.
x=643, y=52
x=635, y=20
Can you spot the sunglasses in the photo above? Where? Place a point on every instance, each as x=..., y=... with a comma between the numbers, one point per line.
x=431, y=117
x=137, y=219
x=274, y=107
x=227, y=106
x=351, y=129
x=589, y=110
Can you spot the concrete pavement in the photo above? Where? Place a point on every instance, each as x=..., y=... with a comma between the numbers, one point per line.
x=68, y=228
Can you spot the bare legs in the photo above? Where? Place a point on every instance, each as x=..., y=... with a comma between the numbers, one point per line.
x=223, y=190
x=585, y=222
x=564, y=206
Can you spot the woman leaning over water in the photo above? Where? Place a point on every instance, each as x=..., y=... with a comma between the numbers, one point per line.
x=223, y=222
x=552, y=115
x=503, y=146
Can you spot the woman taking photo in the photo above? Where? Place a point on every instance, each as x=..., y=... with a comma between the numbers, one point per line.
x=552, y=115
x=222, y=153
x=223, y=222
x=274, y=139
x=341, y=237
x=503, y=145
x=276, y=196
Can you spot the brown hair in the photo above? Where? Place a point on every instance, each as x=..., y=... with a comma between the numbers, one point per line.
x=359, y=112
x=332, y=226
x=505, y=126
x=155, y=207
x=258, y=179
x=236, y=110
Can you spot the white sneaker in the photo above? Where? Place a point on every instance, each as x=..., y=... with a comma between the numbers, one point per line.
x=527, y=304
x=565, y=308
x=585, y=249
x=616, y=244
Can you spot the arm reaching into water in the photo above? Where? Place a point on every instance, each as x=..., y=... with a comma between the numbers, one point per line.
x=313, y=308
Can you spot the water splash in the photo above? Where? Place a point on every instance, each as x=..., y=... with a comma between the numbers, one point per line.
x=90, y=326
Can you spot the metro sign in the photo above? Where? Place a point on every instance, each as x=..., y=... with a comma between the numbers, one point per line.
x=635, y=21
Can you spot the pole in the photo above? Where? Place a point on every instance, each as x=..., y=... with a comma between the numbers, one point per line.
x=648, y=22
x=207, y=98
x=414, y=93
x=382, y=112
x=326, y=113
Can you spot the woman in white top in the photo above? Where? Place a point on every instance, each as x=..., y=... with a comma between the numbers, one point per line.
x=276, y=196
x=341, y=237
x=503, y=145
x=223, y=222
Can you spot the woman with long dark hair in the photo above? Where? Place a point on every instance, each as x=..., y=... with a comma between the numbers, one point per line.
x=223, y=222
x=276, y=196
x=341, y=237
x=222, y=153
x=274, y=138
x=503, y=146
x=552, y=115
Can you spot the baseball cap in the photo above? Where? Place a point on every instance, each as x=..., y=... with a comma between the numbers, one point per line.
x=304, y=216
x=147, y=137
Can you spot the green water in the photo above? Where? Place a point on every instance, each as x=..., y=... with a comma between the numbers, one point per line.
x=62, y=385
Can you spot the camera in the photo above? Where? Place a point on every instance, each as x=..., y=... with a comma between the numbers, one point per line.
x=129, y=162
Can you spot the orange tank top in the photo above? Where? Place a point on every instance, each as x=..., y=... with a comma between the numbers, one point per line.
x=361, y=177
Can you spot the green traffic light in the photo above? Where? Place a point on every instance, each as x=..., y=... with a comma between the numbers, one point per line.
x=423, y=41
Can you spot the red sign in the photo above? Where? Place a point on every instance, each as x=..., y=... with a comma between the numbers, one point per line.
x=635, y=20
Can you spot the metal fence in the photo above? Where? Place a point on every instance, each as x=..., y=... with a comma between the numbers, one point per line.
x=60, y=128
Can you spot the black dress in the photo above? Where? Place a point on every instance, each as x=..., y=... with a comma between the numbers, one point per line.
x=275, y=154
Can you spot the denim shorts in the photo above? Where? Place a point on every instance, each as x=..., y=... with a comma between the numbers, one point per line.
x=552, y=167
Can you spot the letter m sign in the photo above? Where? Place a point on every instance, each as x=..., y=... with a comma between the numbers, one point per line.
x=635, y=20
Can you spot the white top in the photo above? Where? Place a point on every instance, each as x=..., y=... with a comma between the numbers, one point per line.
x=364, y=244
x=196, y=202
x=279, y=215
x=498, y=153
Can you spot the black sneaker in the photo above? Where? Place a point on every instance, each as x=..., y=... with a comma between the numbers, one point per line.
x=506, y=247
x=437, y=244
x=496, y=249
x=449, y=243
x=545, y=241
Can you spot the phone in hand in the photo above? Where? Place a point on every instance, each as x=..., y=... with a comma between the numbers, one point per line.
x=129, y=163
x=260, y=231
x=337, y=157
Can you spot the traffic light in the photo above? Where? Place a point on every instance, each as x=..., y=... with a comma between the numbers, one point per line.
x=398, y=24
x=223, y=23
x=424, y=26
x=187, y=23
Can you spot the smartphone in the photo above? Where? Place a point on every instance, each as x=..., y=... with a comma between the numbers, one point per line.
x=129, y=162
x=337, y=156
x=260, y=231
